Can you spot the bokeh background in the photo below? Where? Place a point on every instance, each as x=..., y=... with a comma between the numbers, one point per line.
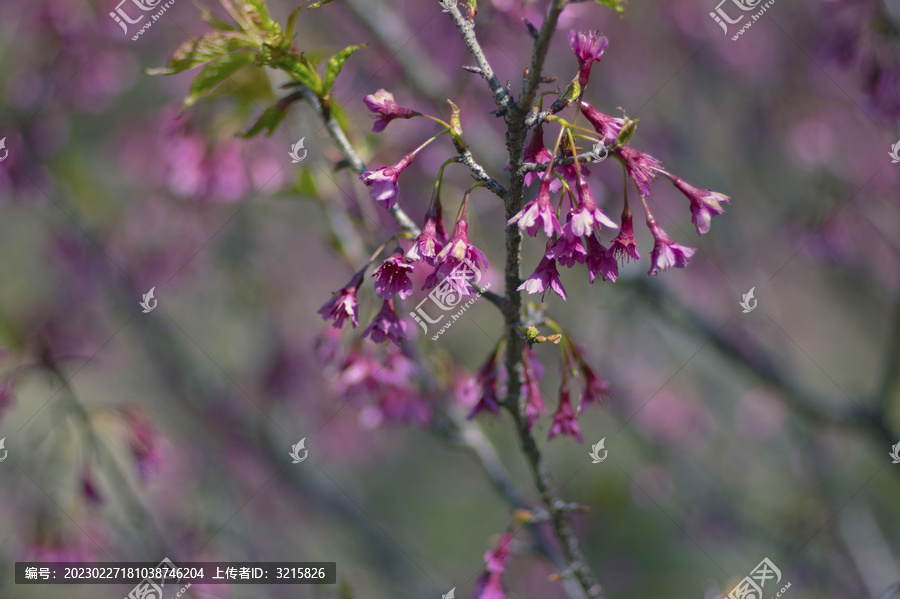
x=732, y=437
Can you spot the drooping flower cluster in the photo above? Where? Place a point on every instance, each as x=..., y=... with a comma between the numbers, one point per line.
x=579, y=239
x=490, y=583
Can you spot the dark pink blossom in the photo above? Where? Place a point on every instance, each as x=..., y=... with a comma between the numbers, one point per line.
x=587, y=215
x=704, y=203
x=404, y=406
x=383, y=182
x=624, y=246
x=490, y=583
x=538, y=213
x=392, y=277
x=536, y=153
x=343, y=304
x=588, y=48
x=458, y=251
x=544, y=276
x=382, y=103
x=666, y=253
x=641, y=167
x=594, y=389
x=532, y=372
x=89, y=486
x=568, y=248
x=606, y=126
x=564, y=421
x=484, y=383
x=489, y=586
x=143, y=440
x=386, y=326
x=601, y=261
x=432, y=238
x=497, y=558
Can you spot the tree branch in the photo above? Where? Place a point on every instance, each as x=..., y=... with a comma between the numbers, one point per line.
x=539, y=54
x=467, y=32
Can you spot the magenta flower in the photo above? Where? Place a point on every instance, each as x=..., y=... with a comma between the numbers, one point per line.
x=606, y=126
x=536, y=153
x=641, y=167
x=624, y=247
x=588, y=48
x=601, y=261
x=432, y=238
x=532, y=372
x=89, y=486
x=594, y=389
x=538, y=213
x=343, y=304
x=485, y=384
x=391, y=277
x=587, y=215
x=564, y=421
x=383, y=183
x=382, y=103
x=490, y=583
x=544, y=276
x=459, y=250
x=666, y=253
x=704, y=203
x=568, y=248
x=489, y=586
x=386, y=325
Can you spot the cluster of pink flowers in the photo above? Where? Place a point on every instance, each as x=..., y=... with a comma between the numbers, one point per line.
x=578, y=239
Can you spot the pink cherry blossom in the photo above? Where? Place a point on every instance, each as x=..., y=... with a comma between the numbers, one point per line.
x=382, y=103
x=386, y=326
x=666, y=253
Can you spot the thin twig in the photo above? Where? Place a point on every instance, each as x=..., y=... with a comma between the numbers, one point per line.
x=480, y=174
x=539, y=54
x=467, y=31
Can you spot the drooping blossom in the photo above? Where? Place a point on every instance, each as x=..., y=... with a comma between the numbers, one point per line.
x=383, y=184
x=624, y=246
x=601, y=261
x=536, y=153
x=484, y=383
x=666, y=253
x=641, y=167
x=433, y=236
x=458, y=251
x=538, y=213
x=143, y=440
x=343, y=304
x=382, y=103
x=490, y=584
x=386, y=326
x=568, y=248
x=704, y=203
x=606, y=126
x=404, y=406
x=392, y=277
x=564, y=421
x=588, y=47
x=594, y=389
x=587, y=215
x=544, y=276
x=532, y=372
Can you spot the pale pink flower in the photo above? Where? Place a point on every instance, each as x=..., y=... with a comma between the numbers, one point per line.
x=666, y=253
x=704, y=203
x=382, y=103
x=538, y=213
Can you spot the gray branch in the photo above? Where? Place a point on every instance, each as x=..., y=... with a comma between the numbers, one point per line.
x=467, y=32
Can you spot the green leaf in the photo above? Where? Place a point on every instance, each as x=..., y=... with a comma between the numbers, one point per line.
x=616, y=5
x=318, y=4
x=269, y=120
x=215, y=73
x=292, y=20
x=212, y=20
x=302, y=72
x=202, y=50
x=335, y=64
